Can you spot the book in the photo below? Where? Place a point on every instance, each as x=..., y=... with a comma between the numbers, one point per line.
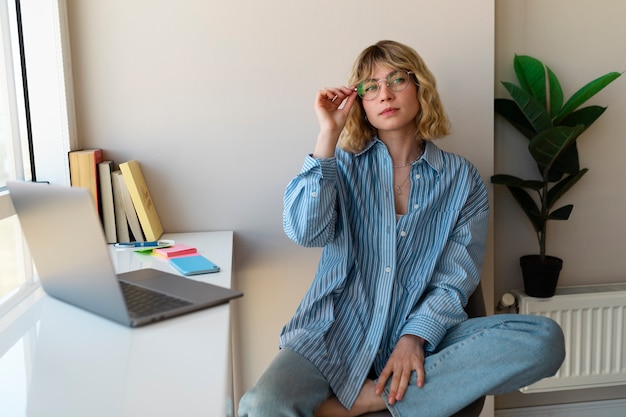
x=106, y=201
x=130, y=214
x=146, y=211
x=121, y=223
x=84, y=171
x=178, y=249
x=194, y=265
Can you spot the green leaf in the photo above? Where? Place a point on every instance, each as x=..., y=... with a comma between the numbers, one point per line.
x=565, y=163
x=514, y=115
x=585, y=93
x=549, y=144
x=561, y=213
x=556, y=192
x=529, y=207
x=521, y=63
x=537, y=79
x=585, y=116
x=512, y=181
x=533, y=110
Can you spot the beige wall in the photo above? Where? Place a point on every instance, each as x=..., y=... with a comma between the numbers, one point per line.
x=579, y=40
x=215, y=100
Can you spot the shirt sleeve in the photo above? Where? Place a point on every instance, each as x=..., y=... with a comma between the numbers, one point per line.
x=310, y=203
x=456, y=275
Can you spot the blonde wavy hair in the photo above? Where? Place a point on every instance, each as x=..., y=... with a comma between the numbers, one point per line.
x=431, y=121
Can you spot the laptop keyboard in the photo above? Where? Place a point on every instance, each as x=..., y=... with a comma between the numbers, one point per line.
x=144, y=302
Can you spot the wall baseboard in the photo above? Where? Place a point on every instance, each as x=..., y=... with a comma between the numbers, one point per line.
x=609, y=408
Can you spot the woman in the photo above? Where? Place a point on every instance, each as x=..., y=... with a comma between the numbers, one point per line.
x=403, y=225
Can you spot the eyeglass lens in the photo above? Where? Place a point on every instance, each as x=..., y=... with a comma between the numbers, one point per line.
x=396, y=81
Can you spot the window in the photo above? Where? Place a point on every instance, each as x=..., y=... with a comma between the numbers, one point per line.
x=34, y=143
x=14, y=149
x=14, y=144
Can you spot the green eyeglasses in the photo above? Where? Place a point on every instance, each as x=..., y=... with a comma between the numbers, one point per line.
x=396, y=81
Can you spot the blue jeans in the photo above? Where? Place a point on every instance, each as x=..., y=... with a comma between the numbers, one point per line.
x=481, y=356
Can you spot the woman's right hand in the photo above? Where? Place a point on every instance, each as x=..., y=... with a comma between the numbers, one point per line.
x=332, y=106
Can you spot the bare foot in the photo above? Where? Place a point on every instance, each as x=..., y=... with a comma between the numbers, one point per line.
x=366, y=402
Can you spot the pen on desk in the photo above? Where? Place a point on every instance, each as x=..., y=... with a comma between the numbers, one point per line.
x=143, y=244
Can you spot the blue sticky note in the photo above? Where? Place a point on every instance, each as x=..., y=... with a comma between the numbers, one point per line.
x=194, y=265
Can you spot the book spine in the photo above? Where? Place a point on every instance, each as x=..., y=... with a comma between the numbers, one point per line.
x=121, y=224
x=106, y=199
x=84, y=172
x=138, y=189
x=129, y=209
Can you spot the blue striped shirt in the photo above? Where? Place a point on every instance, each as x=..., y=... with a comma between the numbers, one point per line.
x=381, y=276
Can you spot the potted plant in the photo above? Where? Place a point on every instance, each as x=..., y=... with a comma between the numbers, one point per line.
x=552, y=128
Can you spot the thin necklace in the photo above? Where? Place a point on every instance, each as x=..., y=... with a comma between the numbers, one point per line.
x=419, y=153
x=399, y=187
x=408, y=163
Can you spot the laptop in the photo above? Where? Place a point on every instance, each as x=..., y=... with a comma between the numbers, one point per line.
x=64, y=234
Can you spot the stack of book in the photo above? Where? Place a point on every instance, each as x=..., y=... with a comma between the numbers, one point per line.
x=121, y=196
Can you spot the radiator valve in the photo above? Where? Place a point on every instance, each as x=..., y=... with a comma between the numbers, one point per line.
x=506, y=302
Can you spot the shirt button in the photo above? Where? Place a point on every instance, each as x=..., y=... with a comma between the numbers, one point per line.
x=403, y=233
x=388, y=269
x=314, y=194
x=418, y=176
x=416, y=206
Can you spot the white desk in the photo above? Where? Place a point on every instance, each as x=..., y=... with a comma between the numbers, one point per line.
x=58, y=360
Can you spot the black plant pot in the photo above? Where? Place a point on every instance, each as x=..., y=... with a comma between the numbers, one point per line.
x=540, y=277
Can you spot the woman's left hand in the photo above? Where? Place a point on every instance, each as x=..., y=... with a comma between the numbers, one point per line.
x=407, y=356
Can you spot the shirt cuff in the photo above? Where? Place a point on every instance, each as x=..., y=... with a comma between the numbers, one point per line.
x=327, y=167
x=426, y=328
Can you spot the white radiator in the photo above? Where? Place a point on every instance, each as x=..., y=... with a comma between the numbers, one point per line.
x=593, y=319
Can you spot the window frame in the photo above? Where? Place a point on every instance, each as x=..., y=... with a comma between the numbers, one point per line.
x=51, y=92
x=47, y=63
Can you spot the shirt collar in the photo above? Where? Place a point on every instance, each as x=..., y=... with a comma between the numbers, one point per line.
x=432, y=154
